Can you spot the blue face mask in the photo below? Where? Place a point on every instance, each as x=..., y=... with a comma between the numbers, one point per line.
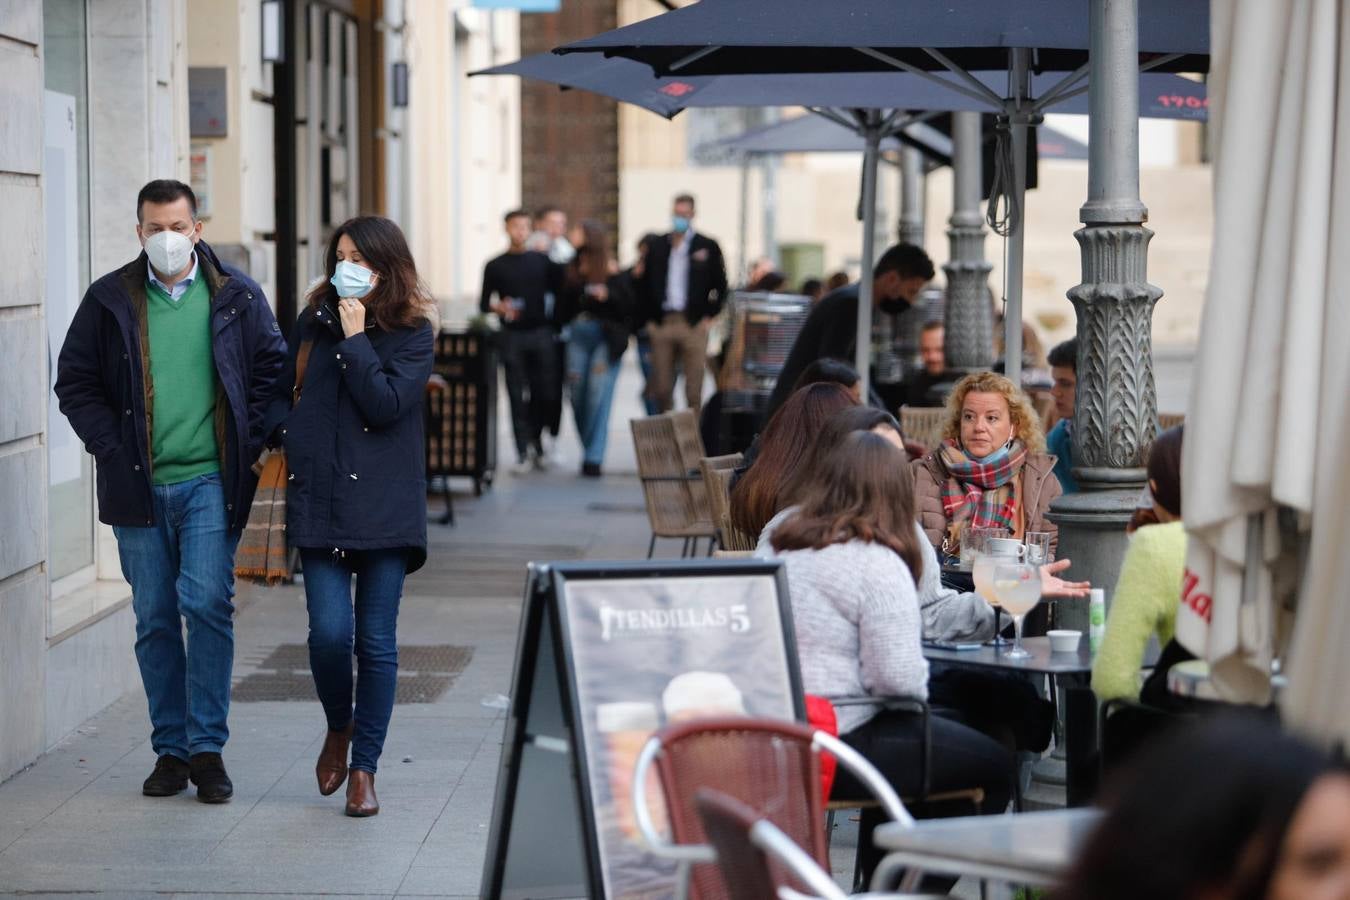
x=351, y=280
x=679, y=224
x=993, y=459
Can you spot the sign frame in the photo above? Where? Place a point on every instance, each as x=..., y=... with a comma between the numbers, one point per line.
x=546, y=656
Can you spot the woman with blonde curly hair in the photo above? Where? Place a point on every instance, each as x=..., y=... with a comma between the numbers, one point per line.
x=991, y=469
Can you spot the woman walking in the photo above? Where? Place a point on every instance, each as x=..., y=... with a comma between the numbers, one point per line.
x=348, y=410
x=596, y=303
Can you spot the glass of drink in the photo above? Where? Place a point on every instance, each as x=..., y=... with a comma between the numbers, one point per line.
x=1038, y=548
x=1019, y=590
x=972, y=545
x=982, y=572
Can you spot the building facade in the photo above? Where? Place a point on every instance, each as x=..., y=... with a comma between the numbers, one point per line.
x=94, y=100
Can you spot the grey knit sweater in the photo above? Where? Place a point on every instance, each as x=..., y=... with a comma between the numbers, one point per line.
x=948, y=615
x=856, y=615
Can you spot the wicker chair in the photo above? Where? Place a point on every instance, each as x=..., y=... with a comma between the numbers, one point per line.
x=668, y=486
x=757, y=859
x=717, y=472
x=773, y=766
x=923, y=424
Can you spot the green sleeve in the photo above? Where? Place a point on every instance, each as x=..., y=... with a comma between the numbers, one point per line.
x=1140, y=596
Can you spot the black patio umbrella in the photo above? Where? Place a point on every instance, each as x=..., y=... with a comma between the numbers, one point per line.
x=944, y=41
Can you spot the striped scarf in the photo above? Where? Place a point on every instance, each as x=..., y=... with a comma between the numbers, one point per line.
x=263, y=556
x=983, y=493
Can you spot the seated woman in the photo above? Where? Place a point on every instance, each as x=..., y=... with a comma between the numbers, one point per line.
x=825, y=370
x=948, y=615
x=755, y=497
x=991, y=469
x=1227, y=809
x=1149, y=589
x=852, y=556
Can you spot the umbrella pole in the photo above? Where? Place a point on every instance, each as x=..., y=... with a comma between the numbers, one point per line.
x=1012, y=313
x=1115, y=408
x=863, y=353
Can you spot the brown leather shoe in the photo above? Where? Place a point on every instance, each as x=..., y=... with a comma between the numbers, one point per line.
x=331, y=769
x=361, y=799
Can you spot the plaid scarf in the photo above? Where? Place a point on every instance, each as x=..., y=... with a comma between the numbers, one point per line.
x=986, y=494
x=263, y=556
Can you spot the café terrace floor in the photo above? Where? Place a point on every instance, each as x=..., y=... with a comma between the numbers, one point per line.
x=75, y=822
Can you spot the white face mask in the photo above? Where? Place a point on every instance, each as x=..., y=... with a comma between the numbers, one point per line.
x=169, y=252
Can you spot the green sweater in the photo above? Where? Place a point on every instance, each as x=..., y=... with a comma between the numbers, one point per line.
x=1145, y=603
x=183, y=370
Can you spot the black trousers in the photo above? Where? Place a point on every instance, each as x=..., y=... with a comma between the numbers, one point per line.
x=530, y=360
x=961, y=757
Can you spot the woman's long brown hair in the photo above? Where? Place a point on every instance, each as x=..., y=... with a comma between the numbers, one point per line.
x=399, y=299
x=757, y=497
x=592, y=262
x=864, y=492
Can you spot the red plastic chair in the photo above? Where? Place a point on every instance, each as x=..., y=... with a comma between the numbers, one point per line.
x=772, y=766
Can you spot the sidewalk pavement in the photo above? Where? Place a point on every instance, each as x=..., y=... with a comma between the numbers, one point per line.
x=76, y=823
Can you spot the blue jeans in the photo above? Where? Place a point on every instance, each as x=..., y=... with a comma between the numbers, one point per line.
x=182, y=569
x=590, y=378
x=370, y=626
x=644, y=351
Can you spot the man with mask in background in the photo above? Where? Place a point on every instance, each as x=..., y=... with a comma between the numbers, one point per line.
x=831, y=330
x=682, y=288
x=165, y=373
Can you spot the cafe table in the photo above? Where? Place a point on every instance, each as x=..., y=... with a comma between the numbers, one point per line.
x=1072, y=673
x=1033, y=848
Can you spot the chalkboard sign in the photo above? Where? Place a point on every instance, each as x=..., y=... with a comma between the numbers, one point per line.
x=607, y=654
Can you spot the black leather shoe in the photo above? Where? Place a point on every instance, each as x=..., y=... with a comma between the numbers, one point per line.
x=591, y=470
x=170, y=777
x=208, y=774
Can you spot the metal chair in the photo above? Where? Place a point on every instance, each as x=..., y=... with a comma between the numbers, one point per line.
x=717, y=473
x=758, y=860
x=923, y=424
x=771, y=765
x=668, y=486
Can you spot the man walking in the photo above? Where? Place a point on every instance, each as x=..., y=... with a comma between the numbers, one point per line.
x=683, y=285
x=164, y=375
x=519, y=280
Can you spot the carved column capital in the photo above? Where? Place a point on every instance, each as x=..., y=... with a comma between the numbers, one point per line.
x=1115, y=411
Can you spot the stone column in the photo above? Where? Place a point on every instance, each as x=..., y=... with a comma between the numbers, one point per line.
x=968, y=316
x=1115, y=413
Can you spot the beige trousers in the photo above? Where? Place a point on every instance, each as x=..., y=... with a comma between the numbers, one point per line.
x=674, y=338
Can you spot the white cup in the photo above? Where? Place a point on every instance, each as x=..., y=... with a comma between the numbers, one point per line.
x=1064, y=640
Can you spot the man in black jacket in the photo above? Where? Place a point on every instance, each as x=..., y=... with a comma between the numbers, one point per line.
x=682, y=288
x=165, y=375
x=831, y=330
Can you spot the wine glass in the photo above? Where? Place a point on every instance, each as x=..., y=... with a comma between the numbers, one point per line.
x=1019, y=590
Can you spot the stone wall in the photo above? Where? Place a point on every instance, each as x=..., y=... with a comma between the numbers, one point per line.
x=23, y=407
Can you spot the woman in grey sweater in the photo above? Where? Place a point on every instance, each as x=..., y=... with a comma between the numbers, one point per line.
x=851, y=554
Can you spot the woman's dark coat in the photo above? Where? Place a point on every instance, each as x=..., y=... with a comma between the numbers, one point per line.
x=354, y=438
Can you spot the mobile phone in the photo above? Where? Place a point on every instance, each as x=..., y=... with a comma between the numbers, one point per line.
x=953, y=645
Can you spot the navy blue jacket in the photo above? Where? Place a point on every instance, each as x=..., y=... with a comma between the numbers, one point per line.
x=354, y=439
x=102, y=384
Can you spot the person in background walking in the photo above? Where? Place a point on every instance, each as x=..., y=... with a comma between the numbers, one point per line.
x=174, y=465
x=1064, y=372
x=596, y=306
x=550, y=235
x=633, y=277
x=683, y=286
x=348, y=410
x=553, y=238
x=520, y=280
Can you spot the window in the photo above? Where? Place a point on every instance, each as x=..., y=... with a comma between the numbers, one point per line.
x=66, y=200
